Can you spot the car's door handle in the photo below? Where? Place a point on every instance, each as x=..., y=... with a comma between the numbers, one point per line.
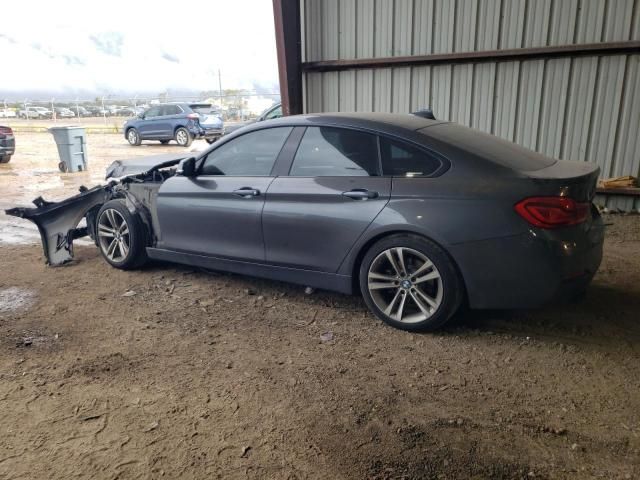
x=360, y=194
x=247, y=192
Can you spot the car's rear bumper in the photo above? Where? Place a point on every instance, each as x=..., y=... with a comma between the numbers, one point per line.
x=7, y=146
x=211, y=133
x=531, y=269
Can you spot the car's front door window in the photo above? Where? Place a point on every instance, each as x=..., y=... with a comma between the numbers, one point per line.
x=336, y=152
x=252, y=154
x=153, y=112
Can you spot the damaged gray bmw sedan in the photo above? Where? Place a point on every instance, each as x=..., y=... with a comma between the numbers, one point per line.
x=417, y=215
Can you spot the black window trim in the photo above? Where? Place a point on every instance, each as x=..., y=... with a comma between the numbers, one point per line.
x=203, y=158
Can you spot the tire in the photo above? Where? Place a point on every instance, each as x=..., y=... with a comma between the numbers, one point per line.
x=396, y=298
x=5, y=158
x=133, y=137
x=62, y=167
x=129, y=251
x=183, y=137
x=164, y=142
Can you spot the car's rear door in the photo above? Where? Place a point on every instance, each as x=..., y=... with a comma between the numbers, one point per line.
x=333, y=191
x=218, y=212
x=171, y=118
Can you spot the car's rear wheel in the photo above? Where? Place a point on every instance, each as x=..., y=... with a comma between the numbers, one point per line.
x=121, y=236
x=133, y=137
x=164, y=142
x=183, y=137
x=410, y=283
x=5, y=158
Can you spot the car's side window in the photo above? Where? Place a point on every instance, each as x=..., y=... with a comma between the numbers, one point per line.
x=171, y=110
x=153, y=112
x=336, y=152
x=275, y=113
x=251, y=154
x=400, y=159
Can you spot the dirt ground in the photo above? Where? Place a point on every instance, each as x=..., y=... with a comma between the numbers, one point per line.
x=171, y=372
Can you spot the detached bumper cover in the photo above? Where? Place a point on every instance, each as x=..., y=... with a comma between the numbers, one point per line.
x=57, y=221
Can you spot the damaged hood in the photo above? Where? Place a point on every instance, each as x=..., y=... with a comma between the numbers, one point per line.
x=135, y=166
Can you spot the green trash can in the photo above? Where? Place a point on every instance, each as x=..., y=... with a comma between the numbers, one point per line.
x=72, y=148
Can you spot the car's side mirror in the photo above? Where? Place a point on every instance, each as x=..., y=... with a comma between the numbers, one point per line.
x=187, y=167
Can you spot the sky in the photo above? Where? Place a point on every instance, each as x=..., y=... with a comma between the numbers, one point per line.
x=69, y=47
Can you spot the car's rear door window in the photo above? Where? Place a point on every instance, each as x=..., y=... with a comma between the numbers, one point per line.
x=171, y=110
x=251, y=154
x=336, y=152
x=401, y=159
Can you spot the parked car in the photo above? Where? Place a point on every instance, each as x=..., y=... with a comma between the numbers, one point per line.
x=7, y=144
x=63, y=112
x=182, y=122
x=98, y=111
x=83, y=112
x=7, y=113
x=126, y=112
x=274, y=111
x=35, y=112
x=419, y=216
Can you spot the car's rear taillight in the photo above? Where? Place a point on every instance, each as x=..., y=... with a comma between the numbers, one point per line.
x=193, y=116
x=6, y=131
x=552, y=212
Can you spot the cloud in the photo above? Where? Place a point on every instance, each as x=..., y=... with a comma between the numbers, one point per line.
x=108, y=42
x=170, y=58
x=70, y=50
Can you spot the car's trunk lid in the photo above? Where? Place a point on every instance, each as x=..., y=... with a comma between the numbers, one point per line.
x=567, y=178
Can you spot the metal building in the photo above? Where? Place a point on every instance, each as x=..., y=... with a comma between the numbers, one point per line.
x=561, y=77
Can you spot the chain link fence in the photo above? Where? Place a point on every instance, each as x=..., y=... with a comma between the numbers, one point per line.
x=230, y=107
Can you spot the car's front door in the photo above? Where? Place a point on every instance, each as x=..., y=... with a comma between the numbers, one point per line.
x=218, y=211
x=314, y=216
x=149, y=126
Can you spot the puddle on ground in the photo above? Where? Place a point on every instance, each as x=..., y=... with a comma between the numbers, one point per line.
x=13, y=299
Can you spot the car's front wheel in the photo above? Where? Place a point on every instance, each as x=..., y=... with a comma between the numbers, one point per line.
x=5, y=158
x=410, y=283
x=121, y=235
x=183, y=137
x=133, y=137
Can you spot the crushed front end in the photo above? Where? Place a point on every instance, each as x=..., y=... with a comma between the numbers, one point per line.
x=58, y=222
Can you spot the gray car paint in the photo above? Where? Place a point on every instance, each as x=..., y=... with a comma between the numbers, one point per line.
x=303, y=230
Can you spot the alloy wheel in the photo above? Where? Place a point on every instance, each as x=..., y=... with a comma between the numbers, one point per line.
x=113, y=234
x=405, y=285
x=182, y=137
x=132, y=136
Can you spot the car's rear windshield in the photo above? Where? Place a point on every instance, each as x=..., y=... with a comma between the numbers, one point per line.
x=200, y=108
x=494, y=149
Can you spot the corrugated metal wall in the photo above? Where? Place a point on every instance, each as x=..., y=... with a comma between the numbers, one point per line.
x=583, y=108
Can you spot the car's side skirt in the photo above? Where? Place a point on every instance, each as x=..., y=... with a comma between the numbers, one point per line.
x=323, y=280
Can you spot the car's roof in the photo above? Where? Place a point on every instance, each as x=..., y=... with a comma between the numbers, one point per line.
x=377, y=121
